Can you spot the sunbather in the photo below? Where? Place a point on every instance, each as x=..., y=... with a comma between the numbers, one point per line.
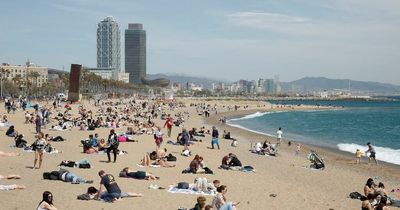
x=127, y=172
x=11, y=176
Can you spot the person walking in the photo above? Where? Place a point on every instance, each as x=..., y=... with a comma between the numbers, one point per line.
x=38, y=148
x=158, y=138
x=372, y=153
x=279, y=137
x=113, y=145
x=169, y=124
x=214, y=139
x=38, y=124
x=185, y=138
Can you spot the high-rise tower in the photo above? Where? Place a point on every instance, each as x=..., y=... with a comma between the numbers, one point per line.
x=135, y=52
x=108, y=44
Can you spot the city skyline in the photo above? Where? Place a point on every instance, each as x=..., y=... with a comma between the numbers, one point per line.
x=355, y=39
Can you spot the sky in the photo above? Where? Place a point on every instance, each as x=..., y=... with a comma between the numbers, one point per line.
x=224, y=39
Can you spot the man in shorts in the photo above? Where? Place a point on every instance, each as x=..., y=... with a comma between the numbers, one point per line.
x=372, y=152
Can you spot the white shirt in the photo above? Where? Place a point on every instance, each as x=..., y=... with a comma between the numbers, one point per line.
x=258, y=147
x=279, y=132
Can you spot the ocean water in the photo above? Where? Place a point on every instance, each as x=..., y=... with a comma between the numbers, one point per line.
x=345, y=128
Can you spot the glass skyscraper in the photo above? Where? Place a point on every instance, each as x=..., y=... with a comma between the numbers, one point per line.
x=135, y=52
x=108, y=44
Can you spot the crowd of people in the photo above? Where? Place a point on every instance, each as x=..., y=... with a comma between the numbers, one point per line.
x=139, y=117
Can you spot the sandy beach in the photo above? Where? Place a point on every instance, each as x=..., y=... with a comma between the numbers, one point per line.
x=295, y=187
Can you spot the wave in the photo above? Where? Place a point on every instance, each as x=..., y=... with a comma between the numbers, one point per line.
x=255, y=115
x=382, y=153
x=247, y=129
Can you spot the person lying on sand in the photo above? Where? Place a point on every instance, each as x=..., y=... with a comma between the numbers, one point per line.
x=65, y=176
x=127, y=172
x=11, y=176
x=149, y=157
x=9, y=154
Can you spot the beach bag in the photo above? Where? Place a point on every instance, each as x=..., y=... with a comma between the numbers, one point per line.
x=48, y=148
x=122, y=138
x=357, y=195
x=84, y=163
x=208, y=170
x=186, y=153
x=170, y=157
x=183, y=185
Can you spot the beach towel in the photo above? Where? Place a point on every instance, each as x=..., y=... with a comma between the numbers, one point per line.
x=174, y=189
x=28, y=149
x=153, y=166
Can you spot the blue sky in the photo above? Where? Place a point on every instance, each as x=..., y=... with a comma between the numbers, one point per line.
x=224, y=39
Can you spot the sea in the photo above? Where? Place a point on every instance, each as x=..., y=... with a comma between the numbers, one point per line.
x=348, y=126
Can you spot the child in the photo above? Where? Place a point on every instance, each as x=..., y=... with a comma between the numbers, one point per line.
x=298, y=149
x=358, y=156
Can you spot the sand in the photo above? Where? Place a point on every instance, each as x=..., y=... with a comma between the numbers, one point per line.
x=295, y=186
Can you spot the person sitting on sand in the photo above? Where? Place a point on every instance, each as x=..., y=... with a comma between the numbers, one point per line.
x=161, y=153
x=101, y=145
x=11, y=132
x=383, y=204
x=195, y=165
x=381, y=190
x=147, y=160
x=109, y=190
x=47, y=202
x=127, y=172
x=268, y=148
x=258, y=149
x=201, y=203
x=225, y=162
x=234, y=162
x=129, y=131
x=369, y=187
x=367, y=204
x=220, y=202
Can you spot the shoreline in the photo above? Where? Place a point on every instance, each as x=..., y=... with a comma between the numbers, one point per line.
x=331, y=155
x=314, y=142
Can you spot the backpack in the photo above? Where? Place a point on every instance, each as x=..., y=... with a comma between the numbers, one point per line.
x=183, y=185
x=358, y=196
x=48, y=148
x=170, y=157
x=208, y=171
